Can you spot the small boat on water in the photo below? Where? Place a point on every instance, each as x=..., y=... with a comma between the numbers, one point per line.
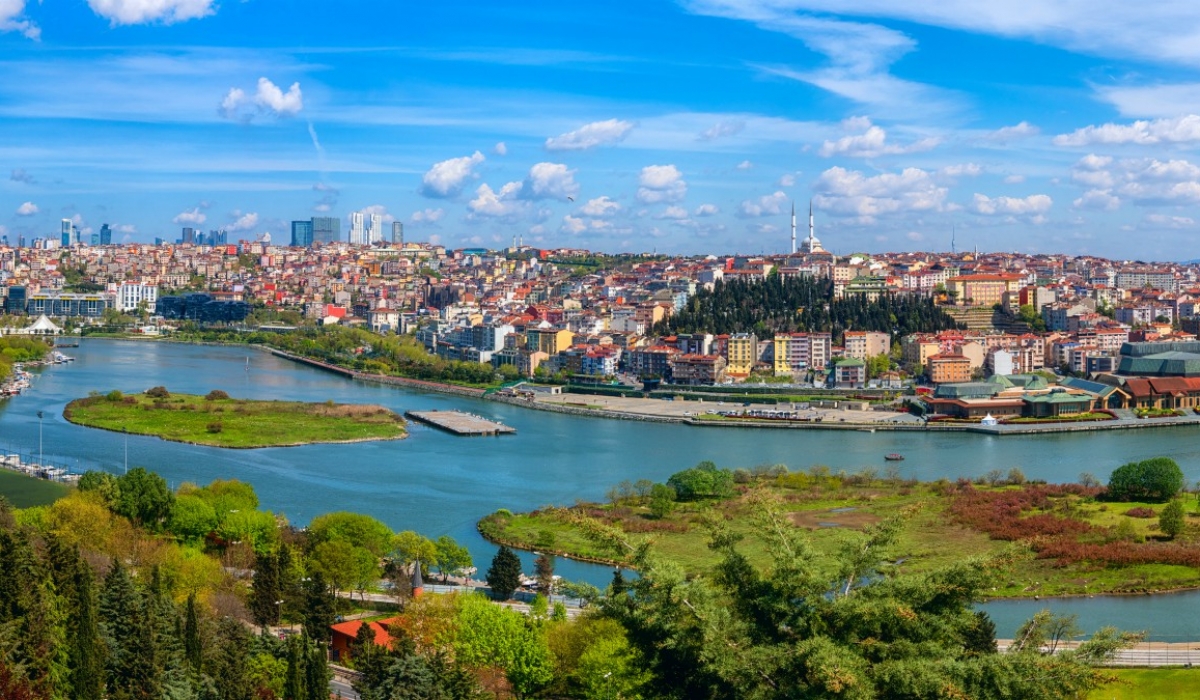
x=894, y=457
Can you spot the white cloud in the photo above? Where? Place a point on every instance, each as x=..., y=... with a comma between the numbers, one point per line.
x=550, y=181
x=706, y=210
x=590, y=135
x=21, y=174
x=787, y=180
x=600, y=207
x=500, y=205
x=745, y=165
x=1014, y=179
x=500, y=149
x=1011, y=206
x=914, y=236
x=269, y=99
x=12, y=19
x=1153, y=182
x=428, y=216
x=243, y=222
x=1185, y=129
x=573, y=224
x=661, y=183
x=1005, y=134
x=673, y=212
x=127, y=229
x=767, y=205
x=190, y=217
x=282, y=104
x=27, y=209
x=1100, y=200
x=962, y=170
x=871, y=143
x=148, y=11
x=723, y=128
x=851, y=193
x=447, y=178
x=1170, y=221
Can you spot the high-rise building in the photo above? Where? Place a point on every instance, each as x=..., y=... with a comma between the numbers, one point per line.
x=326, y=229
x=188, y=236
x=21, y=241
x=105, y=235
x=375, y=229
x=398, y=232
x=220, y=237
x=358, y=233
x=302, y=234
x=70, y=234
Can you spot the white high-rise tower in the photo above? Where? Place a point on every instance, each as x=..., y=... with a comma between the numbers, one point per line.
x=793, y=228
x=358, y=233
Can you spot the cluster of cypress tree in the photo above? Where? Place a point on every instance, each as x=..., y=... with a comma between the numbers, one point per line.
x=801, y=304
x=87, y=629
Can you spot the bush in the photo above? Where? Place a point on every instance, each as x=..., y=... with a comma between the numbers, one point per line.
x=216, y=395
x=1140, y=512
x=1156, y=479
x=158, y=392
x=702, y=481
x=1171, y=522
x=114, y=396
x=215, y=427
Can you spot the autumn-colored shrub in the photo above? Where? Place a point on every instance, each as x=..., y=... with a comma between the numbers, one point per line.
x=1140, y=512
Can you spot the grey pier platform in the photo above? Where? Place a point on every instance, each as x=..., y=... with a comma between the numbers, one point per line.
x=460, y=423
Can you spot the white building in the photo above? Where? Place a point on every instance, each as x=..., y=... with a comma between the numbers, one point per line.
x=375, y=230
x=358, y=234
x=129, y=295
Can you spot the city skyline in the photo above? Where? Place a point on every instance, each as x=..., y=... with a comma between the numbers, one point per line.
x=684, y=127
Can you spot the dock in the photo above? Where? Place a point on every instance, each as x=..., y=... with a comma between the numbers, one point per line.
x=460, y=423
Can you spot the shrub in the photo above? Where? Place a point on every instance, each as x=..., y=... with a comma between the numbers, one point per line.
x=1171, y=521
x=1156, y=479
x=704, y=480
x=216, y=395
x=114, y=396
x=158, y=392
x=1140, y=512
x=1016, y=476
x=215, y=427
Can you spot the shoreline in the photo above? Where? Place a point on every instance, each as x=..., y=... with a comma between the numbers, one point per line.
x=484, y=395
x=239, y=447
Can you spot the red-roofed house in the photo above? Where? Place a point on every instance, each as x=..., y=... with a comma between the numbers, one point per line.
x=344, y=634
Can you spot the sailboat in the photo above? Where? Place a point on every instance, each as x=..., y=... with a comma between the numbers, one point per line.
x=247, y=363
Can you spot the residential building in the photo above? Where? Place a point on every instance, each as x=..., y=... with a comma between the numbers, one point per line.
x=985, y=290
x=358, y=231
x=867, y=344
x=698, y=369
x=949, y=368
x=129, y=296
x=849, y=373
x=548, y=340
x=741, y=353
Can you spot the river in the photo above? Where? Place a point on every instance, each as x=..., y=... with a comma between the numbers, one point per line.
x=437, y=484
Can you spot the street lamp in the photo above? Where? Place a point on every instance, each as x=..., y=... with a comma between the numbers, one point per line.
x=41, y=461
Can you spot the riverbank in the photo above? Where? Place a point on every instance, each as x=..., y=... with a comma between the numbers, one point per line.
x=1048, y=532
x=217, y=420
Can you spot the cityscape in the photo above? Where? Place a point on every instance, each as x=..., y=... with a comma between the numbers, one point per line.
x=680, y=350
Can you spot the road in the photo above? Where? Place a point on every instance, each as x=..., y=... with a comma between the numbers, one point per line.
x=1146, y=653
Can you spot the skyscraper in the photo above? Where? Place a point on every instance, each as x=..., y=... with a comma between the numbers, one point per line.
x=398, y=232
x=188, y=236
x=69, y=235
x=358, y=234
x=105, y=235
x=326, y=229
x=375, y=230
x=302, y=234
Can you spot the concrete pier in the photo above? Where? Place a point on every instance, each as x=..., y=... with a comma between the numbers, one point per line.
x=460, y=423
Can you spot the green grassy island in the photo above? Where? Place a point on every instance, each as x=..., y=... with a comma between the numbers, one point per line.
x=1051, y=539
x=220, y=421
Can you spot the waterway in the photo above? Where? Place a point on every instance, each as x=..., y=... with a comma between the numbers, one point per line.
x=437, y=483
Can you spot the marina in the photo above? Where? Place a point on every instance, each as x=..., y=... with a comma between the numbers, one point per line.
x=460, y=423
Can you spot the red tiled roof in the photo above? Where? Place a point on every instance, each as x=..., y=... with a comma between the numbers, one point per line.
x=380, y=627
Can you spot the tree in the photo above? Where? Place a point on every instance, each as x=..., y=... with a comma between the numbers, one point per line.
x=704, y=480
x=1171, y=520
x=662, y=501
x=193, y=649
x=144, y=498
x=452, y=558
x=543, y=568
x=408, y=547
x=799, y=627
x=1155, y=479
x=192, y=518
x=504, y=576
x=265, y=592
x=87, y=651
x=354, y=528
x=102, y=483
x=318, y=611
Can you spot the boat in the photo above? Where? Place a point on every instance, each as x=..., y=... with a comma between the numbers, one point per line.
x=894, y=457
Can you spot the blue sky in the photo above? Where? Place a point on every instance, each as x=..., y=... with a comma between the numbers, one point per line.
x=683, y=126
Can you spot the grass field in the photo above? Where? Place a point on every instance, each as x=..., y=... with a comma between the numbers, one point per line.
x=929, y=539
x=25, y=491
x=227, y=422
x=1150, y=683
